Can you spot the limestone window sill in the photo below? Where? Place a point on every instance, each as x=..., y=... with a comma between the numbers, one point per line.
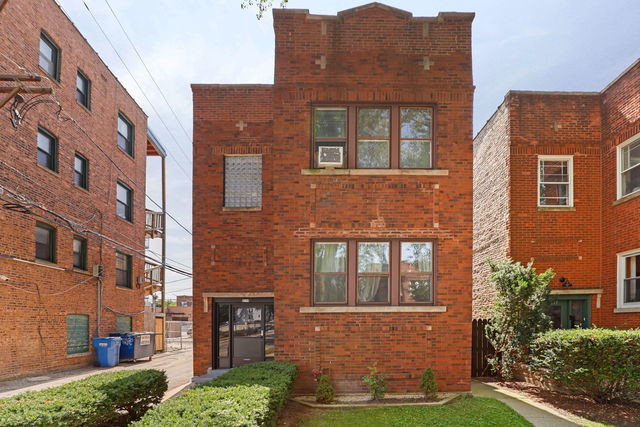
x=626, y=198
x=369, y=172
x=377, y=309
x=71, y=356
x=556, y=208
x=627, y=310
x=251, y=209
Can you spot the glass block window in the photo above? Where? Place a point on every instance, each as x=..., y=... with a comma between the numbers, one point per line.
x=123, y=324
x=77, y=333
x=243, y=181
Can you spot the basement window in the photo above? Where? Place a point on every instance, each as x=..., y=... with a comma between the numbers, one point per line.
x=242, y=181
x=555, y=181
x=77, y=333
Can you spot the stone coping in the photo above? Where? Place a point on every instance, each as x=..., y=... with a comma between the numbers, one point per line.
x=382, y=172
x=376, y=309
x=363, y=400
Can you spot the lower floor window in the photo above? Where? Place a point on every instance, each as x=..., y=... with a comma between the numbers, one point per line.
x=124, y=324
x=359, y=272
x=77, y=333
x=629, y=277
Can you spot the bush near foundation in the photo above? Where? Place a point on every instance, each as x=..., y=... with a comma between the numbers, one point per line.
x=250, y=395
x=110, y=397
x=601, y=363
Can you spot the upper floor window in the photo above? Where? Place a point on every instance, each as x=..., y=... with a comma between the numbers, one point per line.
x=47, y=152
x=49, y=56
x=629, y=278
x=373, y=137
x=243, y=181
x=124, y=201
x=373, y=272
x=555, y=181
x=83, y=90
x=124, y=270
x=629, y=167
x=80, y=253
x=45, y=242
x=81, y=171
x=125, y=134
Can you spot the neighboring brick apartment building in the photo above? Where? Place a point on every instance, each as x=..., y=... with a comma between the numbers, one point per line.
x=333, y=209
x=557, y=181
x=67, y=207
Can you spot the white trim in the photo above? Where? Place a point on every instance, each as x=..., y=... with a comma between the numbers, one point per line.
x=620, y=279
x=619, y=148
x=569, y=160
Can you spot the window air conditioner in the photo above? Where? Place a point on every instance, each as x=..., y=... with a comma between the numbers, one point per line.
x=330, y=156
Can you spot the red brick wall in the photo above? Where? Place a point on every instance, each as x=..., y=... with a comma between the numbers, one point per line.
x=621, y=222
x=373, y=56
x=32, y=320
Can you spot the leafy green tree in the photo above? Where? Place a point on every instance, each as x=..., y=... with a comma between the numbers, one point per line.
x=261, y=5
x=520, y=312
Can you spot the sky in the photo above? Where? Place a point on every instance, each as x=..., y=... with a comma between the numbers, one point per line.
x=551, y=45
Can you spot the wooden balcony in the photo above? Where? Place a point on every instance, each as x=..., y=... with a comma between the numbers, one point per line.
x=154, y=226
x=152, y=278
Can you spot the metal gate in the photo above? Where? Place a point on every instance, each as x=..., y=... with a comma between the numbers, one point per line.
x=481, y=350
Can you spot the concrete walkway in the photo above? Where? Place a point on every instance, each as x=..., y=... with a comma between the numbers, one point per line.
x=537, y=414
x=177, y=364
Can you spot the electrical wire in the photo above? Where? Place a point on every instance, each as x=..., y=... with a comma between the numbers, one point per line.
x=170, y=216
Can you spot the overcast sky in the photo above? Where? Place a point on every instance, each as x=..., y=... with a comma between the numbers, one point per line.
x=555, y=45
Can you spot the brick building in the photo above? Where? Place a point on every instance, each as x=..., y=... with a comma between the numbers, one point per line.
x=333, y=209
x=73, y=149
x=557, y=180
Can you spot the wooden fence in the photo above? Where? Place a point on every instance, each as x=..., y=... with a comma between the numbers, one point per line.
x=481, y=350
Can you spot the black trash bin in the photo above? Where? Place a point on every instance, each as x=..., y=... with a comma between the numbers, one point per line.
x=136, y=345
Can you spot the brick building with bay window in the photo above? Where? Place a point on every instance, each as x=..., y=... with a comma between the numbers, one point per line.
x=73, y=153
x=333, y=209
x=557, y=181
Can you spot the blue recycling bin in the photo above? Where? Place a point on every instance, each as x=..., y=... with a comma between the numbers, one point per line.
x=107, y=350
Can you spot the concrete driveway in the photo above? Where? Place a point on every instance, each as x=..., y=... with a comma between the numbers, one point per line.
x=177, y=364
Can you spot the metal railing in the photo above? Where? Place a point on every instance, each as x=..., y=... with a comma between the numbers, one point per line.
x=154, y=225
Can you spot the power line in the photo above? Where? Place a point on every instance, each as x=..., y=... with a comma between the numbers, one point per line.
x=148, y=71
x=170, y=216
x=178, y=280
x=170, y=259
x=141, y=90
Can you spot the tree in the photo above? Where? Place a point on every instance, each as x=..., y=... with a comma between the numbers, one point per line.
x=520, y=312
x=261, y=5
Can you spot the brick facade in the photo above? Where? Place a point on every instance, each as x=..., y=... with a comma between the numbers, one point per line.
x=372, y=55
x=38, y=295
x=580, y=242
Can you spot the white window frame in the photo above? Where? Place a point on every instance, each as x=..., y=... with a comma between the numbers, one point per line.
x=619, y=148
x=568, y=159
x=620, y=279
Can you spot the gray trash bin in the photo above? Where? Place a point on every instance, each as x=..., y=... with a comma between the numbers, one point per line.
x=136, y=345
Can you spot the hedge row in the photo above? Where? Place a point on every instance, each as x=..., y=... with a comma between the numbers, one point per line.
x=96, y=400
x=601, y=363
x=250, y=395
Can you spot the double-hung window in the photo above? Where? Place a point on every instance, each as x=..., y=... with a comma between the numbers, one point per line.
x=81, y=171
x=83, y=90
x=629, y=167
x=365, y=272
x=629, y=279
x=47, y=151
x=125, y=134
x=373, y=137
x=555, y=181
x=124, y=201
x=80, y=253
x=49, y=56
x=124, y=270
x=45, y=242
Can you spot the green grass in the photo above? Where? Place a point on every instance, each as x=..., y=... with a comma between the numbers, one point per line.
x=475, y=411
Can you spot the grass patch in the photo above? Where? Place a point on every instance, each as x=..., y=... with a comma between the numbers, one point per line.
x=474, y=411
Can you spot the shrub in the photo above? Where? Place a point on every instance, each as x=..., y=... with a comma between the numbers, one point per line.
x=250, y=395
x=98, y=399
x=376, y=382
x=428, y=383
x=324, y=391
x=601, y=363
x=520, y=312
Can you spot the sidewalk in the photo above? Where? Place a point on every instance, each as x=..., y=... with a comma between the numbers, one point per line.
x=177, y=364
x=535, y=413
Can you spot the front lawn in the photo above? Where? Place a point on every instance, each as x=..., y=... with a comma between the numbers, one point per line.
x=474, y=411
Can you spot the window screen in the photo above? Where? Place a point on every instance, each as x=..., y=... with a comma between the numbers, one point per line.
x=77, y=333
x=243, y=181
